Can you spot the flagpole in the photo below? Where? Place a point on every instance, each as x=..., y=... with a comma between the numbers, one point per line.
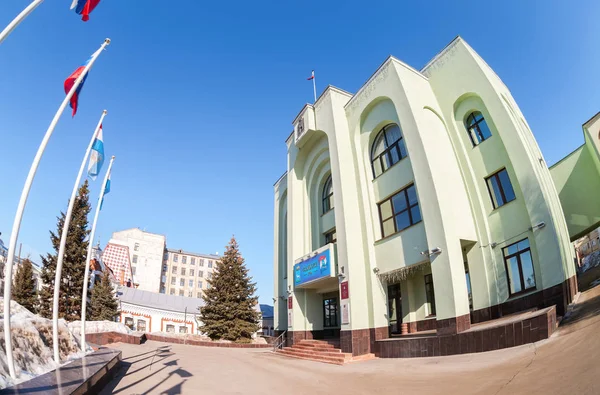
x=21, y=207
x=89, y=255
x=11, y=26
x=314, y=86
x=63, y=241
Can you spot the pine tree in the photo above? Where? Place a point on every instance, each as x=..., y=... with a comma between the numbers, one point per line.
x=228, y=312
x=23, y=291
x=103, y=304
x=73, y=264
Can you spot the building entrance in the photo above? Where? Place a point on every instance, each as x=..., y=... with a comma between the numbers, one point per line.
x=394, y=308
x=331, y=320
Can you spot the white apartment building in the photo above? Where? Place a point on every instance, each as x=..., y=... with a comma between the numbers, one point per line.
x=186, y=273
x=146, y=252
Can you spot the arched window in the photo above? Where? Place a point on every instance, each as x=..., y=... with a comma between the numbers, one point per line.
x=327, y=195
x=388, y=148
x=477, y=128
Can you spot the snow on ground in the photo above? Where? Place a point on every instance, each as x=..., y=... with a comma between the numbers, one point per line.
x=32, y=345
x=98, y=327
x=590, y=261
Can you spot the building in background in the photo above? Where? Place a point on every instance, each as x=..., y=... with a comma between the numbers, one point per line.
x=266, y=321
x=186, y=273
x=154, y=312
x=588, y=243
x=116, y=258
x=422, y=202
x=145, y=251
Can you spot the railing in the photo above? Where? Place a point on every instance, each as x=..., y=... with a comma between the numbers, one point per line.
x=279, y=342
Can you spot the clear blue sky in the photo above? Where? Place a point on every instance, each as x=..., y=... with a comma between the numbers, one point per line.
x=201, y=97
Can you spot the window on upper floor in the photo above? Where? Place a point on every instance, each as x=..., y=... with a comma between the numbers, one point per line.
x=200, y=273
x=134, y=259
x=181, y=292
x=193, y=261
x=191, y=272
x=175, y=258
x=477, y=128
x=388, y=149
x=183, y=259
x=136, y=247
x=399, y=211
x=327, y=195
x=182, y=282
x=173, y=269
x=500, y=188
x=183, y=271
x=210, y=264
x=331, y=236
x=173, y=280
x=201, y=262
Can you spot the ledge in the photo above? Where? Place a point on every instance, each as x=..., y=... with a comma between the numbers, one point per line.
x=87, y=375
x=202, y=343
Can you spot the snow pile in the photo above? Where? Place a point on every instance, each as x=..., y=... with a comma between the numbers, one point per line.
x=590, y=261
x=32, y=345
x=98, y=327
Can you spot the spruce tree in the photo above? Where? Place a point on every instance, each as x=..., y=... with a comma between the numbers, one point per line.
x=73, y=263
x=103, y=304
x=228, y=312
x=23, y=291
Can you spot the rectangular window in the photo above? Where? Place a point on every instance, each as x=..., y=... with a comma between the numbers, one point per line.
x=193, y=261
x=500, y=188
x=399, y=211
x=181, y=292
x=174, y=270
x=199, y=295
x=201, y=263
x=331, y=236
x=164, y=268
x=171, y=328
x=136, y=247
x=190, y=294
x=129, y=322
x=209, y=275
x=200, y=273
x=183, y=329
x=134, y=259
x=162, y=290
x=172, y=292
x=141, y=326
x=133, y=270
x=183, y=271
x=175, y=257
x=173, y=280
x=199, y=284
x=430, y=294
x=183, y=259
x=519, y=267
x=181, y=282
x=190, y=283
x=210, y=264
x=191, y=272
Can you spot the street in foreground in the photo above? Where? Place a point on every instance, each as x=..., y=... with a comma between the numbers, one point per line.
x=564, y=364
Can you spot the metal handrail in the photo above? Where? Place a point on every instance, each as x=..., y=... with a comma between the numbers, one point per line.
x=278, y=344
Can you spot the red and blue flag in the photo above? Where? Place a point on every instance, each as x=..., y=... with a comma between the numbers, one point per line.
x=70, y=81
x=84, y=7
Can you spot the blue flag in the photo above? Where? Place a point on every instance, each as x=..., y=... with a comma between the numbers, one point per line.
x=106, y=190
x=97, y=156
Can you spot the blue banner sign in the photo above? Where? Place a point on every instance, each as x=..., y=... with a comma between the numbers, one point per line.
x=314, y=268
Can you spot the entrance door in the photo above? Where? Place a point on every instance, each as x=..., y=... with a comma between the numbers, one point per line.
x=330, y=316
x=394, y=308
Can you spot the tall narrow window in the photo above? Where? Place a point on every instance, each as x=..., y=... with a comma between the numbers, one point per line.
x=388, y=149
x=331, y=236
x=500, y=188
x=327, y=195
x=519, y=267
x=399, y=211
x=183, y=259
x=477, y=128
x=430, y=294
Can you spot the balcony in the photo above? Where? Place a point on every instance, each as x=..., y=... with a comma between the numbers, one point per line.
x=304, y=125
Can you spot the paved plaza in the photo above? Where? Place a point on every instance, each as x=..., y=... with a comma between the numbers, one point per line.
x=565, y=364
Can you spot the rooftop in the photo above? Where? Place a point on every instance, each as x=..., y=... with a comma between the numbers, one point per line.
x=159, y=301
x=210, y=256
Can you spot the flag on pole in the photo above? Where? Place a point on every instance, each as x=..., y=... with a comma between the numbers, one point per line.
x=106, y=190
x=96, y=156
x=84, y=7
x=312, y=77
x=70, y=81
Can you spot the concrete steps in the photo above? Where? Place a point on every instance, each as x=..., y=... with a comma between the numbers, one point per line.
x=321, y=351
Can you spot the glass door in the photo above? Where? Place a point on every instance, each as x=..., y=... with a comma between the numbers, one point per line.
x=394, y=308
x=330, y=309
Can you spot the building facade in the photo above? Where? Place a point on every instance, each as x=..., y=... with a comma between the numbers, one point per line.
x=145, y=252
x=422, y=202
x=186, y=273
x=153, y=312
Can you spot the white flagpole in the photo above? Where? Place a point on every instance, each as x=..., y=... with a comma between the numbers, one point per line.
x=63, y=242
x=21, y=207
x=314, y=86
x=11, y=26
x=89, y=255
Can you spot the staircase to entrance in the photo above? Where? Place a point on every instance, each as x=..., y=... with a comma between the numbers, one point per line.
x=327, y=351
